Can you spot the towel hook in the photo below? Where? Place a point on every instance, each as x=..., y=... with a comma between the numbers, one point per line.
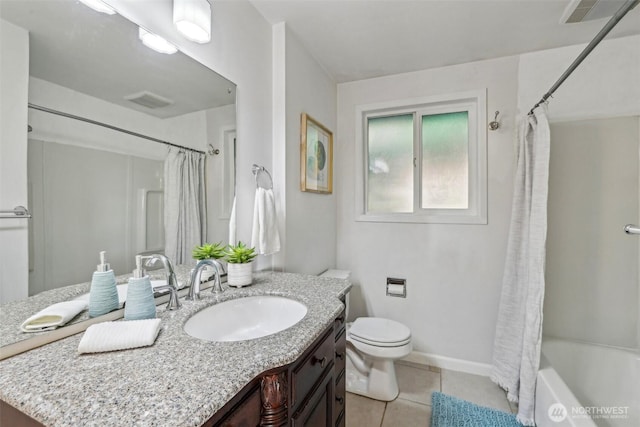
x=256, y=170
x=495, y=125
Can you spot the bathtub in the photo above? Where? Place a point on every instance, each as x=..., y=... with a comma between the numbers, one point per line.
x=587, y=385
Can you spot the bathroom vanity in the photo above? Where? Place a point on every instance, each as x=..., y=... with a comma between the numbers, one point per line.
x=294, y=377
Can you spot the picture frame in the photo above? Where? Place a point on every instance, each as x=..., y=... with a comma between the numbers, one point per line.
x=316, y=156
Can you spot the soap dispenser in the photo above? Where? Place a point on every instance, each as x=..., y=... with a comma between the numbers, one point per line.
x=103, y=295
x=140, y=303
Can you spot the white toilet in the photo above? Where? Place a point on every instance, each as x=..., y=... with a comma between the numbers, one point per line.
x=372, y=346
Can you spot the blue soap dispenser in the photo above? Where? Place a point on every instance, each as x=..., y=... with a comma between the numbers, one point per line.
x=103, y=295
x=140, y=303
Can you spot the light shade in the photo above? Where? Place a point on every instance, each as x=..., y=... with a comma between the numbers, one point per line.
x=155, y=42
x=99, y=6
x=193, y=19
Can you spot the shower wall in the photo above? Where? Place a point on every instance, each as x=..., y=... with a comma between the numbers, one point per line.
x=592, y=265
x=86, y=200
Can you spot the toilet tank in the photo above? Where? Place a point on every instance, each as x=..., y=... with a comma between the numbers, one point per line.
x=340, y=274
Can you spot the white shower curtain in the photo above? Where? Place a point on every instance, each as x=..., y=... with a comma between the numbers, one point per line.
x=184, y=204
x=516, y=352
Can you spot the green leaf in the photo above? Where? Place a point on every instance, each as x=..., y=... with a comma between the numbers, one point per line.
x=209, y=251
x=239, y=254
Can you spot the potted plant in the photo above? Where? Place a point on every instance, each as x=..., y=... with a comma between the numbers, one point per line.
x=239, y=264
x=213, y=251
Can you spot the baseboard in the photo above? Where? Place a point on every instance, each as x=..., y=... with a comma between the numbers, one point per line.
x=445, y=362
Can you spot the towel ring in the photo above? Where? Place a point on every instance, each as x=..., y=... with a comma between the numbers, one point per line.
x=257, y=170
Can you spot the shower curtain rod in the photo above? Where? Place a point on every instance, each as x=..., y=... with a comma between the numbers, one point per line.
x=105, y=125
x=626, y=7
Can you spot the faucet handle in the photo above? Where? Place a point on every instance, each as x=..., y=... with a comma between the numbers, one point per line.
x=174, y=302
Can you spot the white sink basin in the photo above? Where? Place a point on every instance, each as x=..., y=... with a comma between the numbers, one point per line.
x=245, y=318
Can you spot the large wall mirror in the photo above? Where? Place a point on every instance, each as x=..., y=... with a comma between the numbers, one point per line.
x=92, y=188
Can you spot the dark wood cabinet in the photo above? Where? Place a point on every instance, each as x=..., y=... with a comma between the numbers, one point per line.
x=309, y=392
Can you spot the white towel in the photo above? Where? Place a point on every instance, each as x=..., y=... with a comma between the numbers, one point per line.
x=121, y=335
x=53, y=316
x=265, y=236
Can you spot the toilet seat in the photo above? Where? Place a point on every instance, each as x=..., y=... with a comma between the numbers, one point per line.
x=378, y=332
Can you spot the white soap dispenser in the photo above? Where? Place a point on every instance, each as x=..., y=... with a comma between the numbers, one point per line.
x=140, y=303
x=103, y=295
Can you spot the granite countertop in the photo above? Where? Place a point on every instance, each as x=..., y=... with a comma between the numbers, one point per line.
x=14, y=313
x=180, y=380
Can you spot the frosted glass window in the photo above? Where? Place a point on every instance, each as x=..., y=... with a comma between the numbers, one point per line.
x=390, y=164
x=423, y=160
x=445, y=161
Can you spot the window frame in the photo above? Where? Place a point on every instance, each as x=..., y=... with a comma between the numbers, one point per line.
x=474, y=102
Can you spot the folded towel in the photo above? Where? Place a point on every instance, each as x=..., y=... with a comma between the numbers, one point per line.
x=53, y=316
x=265, y=237
x=111, y=336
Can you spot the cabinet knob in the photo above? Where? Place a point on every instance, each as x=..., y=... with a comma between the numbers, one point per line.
x=340, y=399
x=340, y=356
x=323, y=361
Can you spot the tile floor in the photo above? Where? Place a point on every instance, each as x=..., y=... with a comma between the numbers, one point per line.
x=413, y=405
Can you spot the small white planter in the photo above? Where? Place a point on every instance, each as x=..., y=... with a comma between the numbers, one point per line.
x=239, y=275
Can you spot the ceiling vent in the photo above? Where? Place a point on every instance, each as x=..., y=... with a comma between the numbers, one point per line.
x=149, y=100
x=589, y=10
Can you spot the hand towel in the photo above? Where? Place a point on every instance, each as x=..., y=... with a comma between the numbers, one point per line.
x=121, y=335
x=265, y=237
x=53, y=316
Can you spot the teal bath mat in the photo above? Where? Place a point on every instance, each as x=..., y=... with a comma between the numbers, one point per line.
x=448, y=411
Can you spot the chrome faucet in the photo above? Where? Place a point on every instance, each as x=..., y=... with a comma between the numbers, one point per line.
x=194, y=288
x=172, y=281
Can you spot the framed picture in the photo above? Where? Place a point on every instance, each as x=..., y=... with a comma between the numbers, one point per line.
x=316, y=157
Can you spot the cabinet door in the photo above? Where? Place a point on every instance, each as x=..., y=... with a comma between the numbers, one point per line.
x=318, y=410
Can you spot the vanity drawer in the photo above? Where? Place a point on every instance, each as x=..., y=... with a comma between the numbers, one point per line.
x=305, y=375
x=246, y=413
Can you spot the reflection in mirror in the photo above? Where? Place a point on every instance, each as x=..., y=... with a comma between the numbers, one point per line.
x=92, y=188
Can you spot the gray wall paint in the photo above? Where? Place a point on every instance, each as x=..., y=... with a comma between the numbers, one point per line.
x=592, y=265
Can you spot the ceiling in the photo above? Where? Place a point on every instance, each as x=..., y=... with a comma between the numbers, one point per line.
x=101, y=56
x=359, y=39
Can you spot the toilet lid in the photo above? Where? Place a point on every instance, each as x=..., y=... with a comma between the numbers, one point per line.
x=373, y=330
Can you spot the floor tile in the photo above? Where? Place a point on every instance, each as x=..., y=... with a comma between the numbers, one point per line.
x=417, y=384
x=403, y=413
x=474, y=388
x=415, y=365
x=361, y=411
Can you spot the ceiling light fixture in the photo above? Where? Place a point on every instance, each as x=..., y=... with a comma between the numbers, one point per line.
x=192, y=18
x=99, y=6
x=155, y=42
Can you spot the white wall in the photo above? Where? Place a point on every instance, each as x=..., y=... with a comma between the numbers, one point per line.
x=240, y=50
x=453, y=271
x=591, y=289
x=14, y=73
x=310, y=222
x=606, y=84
